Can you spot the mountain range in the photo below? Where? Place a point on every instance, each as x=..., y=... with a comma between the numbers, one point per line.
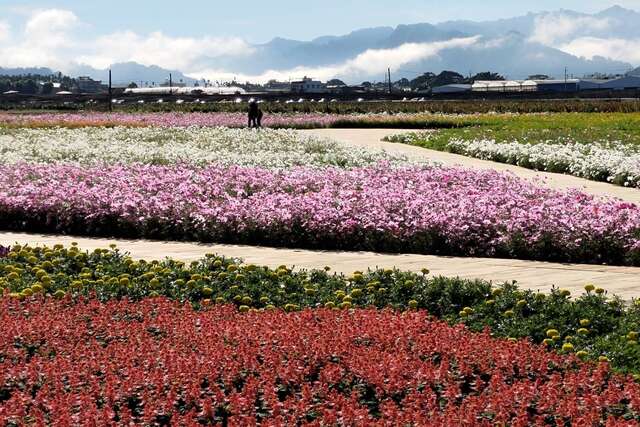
x=536, y=43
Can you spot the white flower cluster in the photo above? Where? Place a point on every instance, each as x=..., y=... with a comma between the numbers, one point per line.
x=613, y=162
x=268, y=148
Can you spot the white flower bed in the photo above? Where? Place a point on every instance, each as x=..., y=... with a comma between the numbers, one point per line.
x=276, y=149
x=612, y=162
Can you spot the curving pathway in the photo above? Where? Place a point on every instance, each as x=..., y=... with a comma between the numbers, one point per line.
x=373, y=138
x=622, y=281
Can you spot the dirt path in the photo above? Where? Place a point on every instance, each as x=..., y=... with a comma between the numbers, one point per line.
x=373, y=138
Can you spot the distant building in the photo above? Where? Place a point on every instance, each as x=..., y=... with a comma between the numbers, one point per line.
x=88, y=85
x=307, y=85
x=276, y=86
x=504, y=86
x=569, y=85
x=452, y=88
x=622, y=83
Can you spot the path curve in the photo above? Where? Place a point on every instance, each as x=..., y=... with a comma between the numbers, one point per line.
x=372, y=138
x=621, y=281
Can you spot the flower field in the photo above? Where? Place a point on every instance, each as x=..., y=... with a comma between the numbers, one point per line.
x=599, y=147
x=615, y=162
x=232, y=119
x=193, y=145
x=99, y=336
x=412, y=209
x=595, y=324
x=84, y=361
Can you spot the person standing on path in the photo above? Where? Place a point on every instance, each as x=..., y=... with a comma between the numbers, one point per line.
x=255, y=115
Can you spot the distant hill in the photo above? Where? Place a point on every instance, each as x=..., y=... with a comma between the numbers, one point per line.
x=511, y=46
x=127, y=72
x=25, y=71
x=635, y=72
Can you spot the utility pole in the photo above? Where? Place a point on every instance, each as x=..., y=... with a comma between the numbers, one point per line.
x=170, y=84
x=389, y=74
x=110, y=93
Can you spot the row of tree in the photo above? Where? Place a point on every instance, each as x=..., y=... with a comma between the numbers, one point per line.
x=32, y=84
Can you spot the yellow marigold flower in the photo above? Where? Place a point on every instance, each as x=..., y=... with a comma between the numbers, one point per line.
x=356, y=277
x=603, y=359
x=582, y=354
x=497, y=292
x=600, y=291
x=565, y=292
x=552, y=333
x=584, y=322
x=382, y=290
x=521, y=303
x=463, y=313
x=244, y=308
x=239, y=277
x=356, y=293
x=37, y=288
x=247, y=300
x=340, y=294
x=237, y=298
x=548, y=341
x=231, y=268
x=219, y=300
x=13, y=276
x=388, y=271
x=425, y=271
x=512, y=340
x=468, y=310
x=509, y=313
x=589, y=288
x=59, y=294
x=270, y=307
x=413, y=304
x=540, y=296
x=191, y=283
x=583, y=331
x=346, y=305
x=207, y=292
x=124, y=281
x=330, y=304
x=567, y=347
x=196, y=277
x=264, y=299
x=632, y=336
x=490, y=302
x=27, y=292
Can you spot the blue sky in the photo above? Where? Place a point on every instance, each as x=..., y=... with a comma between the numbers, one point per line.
x=259, y=21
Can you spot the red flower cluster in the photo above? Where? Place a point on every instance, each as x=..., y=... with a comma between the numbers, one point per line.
x=161, y=363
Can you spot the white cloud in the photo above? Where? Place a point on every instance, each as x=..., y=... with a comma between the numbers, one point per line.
x=49, y=38
x=372, y=61
x=553, y=28
x=45, y=40
x=613, y=48
x=160, y=49
x=5, y=31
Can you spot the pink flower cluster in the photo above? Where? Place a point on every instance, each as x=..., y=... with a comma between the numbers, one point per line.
x=172, y=119
x=442, y=211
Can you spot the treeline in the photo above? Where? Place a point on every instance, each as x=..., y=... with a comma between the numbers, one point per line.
x=33, y=84
x=430, y=80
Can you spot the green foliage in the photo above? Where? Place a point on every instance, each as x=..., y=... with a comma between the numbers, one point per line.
x=594, y=323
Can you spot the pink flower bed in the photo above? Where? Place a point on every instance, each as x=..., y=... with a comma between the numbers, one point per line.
x=168, y=119
x=424, y=210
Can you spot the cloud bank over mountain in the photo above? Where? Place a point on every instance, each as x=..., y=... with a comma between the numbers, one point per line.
x=547, y=42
